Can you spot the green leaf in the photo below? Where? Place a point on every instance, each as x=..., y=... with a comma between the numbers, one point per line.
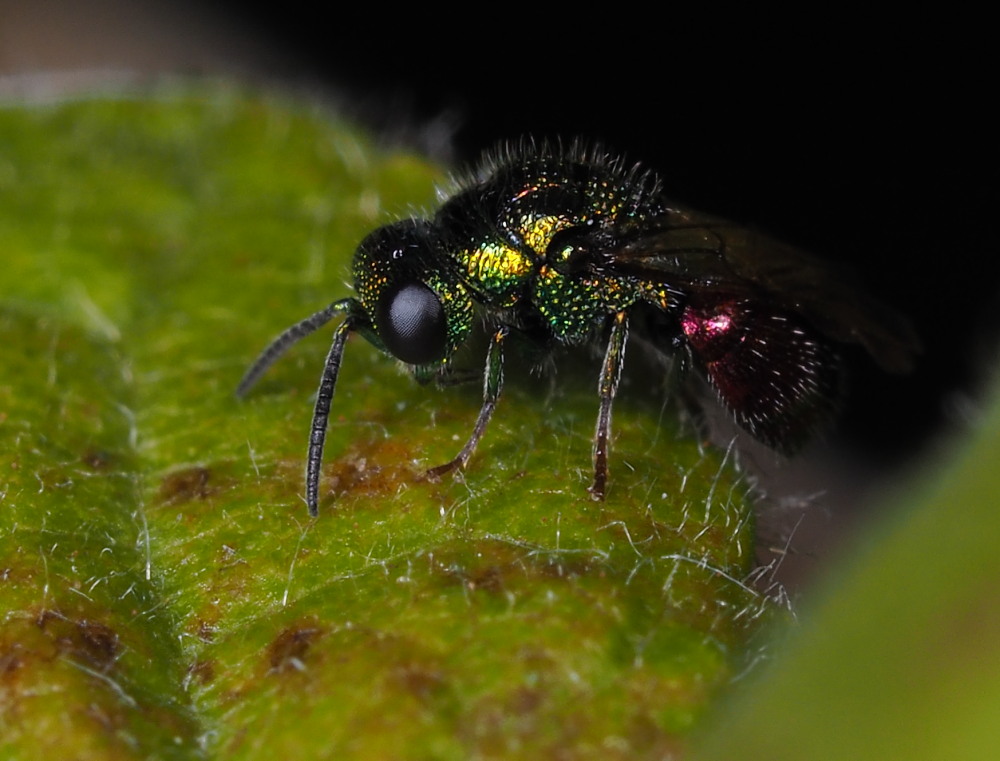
x=165, y=594
x=901, y=658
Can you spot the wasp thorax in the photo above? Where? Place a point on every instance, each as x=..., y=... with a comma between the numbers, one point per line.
x=411, y=323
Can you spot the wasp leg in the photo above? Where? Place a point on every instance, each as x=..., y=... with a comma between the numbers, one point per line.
x=610, y=374
x=492, y=385
x=321, y=414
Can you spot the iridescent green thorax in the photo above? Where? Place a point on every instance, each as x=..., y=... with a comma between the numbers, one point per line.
x=572, y=306
x=512, y=239
x=496, y=271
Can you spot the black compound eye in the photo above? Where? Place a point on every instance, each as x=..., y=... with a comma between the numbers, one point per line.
x=411, y=323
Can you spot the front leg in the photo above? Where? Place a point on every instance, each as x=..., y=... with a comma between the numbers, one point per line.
x=610, y=374
x=492, y=385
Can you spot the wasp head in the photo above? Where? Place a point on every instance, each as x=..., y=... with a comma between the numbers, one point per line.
x=419, y=311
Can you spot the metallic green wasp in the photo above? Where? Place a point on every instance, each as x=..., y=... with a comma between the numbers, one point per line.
x=556, y=245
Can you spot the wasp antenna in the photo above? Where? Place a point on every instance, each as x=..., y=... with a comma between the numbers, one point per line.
x=281, y=344
x=321, y=414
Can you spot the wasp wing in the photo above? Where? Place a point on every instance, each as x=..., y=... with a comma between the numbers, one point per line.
x=699, y=253
x=762, y=319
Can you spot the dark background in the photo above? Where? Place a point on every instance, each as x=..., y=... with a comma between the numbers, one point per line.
x=872, y=148
x=868, y=145
x=867, y=141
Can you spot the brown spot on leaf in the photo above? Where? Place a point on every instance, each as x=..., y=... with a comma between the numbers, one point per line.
x=185, y=485
x=98, y=642
x=206, y=631
x=495, y=566
x=525, y=701
x=98, y=460
x=31, y=646
x=202, y=672
x=419, y=681
x=376, y=469
x=288, y=650
x=88, y=640
x=487, y=578
x=11, y=660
